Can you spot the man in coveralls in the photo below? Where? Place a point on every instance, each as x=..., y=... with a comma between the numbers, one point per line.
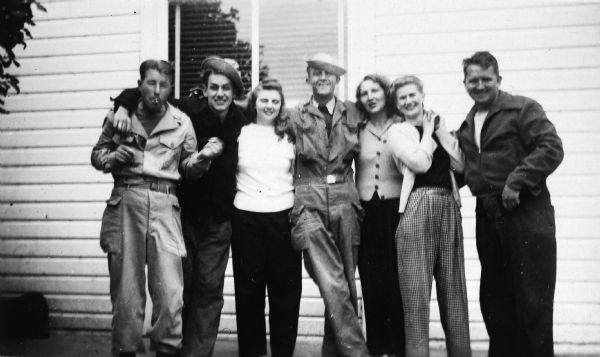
x=207, y=203
x=326, y=215
x=510, y=148
x=141, y=223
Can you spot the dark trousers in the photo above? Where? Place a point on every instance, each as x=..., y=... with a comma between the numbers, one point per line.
x=263, y=257
x=517, y=251
x=204, y=267
x=378, y=270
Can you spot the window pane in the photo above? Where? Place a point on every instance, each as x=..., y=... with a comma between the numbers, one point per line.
x=290, y=31
x=211, y=28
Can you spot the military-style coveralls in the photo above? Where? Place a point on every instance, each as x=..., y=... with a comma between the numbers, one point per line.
x=141, y=226
x=326, y=219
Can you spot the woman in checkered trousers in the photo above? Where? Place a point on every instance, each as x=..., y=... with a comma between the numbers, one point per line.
x=429, y=238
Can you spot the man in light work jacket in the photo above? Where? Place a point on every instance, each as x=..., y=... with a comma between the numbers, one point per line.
x=327, y=214
x=207, y=203
x=510, y=148
x=141, y=223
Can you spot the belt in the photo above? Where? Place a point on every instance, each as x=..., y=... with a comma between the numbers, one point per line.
x=163, y=186
x=435, y=191
x=328, y=180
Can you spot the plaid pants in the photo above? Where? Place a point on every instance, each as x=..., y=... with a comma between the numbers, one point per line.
x=429, y=243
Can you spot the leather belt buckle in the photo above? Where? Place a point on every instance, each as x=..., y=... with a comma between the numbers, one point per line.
x=330, y=179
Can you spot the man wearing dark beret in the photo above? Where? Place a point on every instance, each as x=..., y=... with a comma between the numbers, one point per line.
x=327, y=213
x=206, y=203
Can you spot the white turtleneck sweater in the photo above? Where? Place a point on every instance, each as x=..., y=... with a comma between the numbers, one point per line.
x=264, y=172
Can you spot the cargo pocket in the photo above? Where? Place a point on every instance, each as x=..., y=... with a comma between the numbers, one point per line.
x=170, y=237
x=178, y=237
x=111, y=231
x=304, y=224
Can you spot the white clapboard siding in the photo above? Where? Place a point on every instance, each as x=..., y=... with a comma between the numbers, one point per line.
x=78, y=82
x=61, y=101
x=95, y=63
x=52, y=137
x=61, y=192
x=82, y=53
x=58, y=119
x=89, y=26
x=555, y=58
x=121, y=43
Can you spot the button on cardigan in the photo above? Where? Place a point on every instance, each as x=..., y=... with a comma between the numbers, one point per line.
x=376, y=169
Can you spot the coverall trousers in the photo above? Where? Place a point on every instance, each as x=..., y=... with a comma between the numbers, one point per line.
x=430, y=244
x=204, y=278
x=147, y=224
x=327, y=229
x=263, y=258
x=517, y=251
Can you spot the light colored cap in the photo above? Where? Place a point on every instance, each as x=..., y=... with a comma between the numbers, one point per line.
x=326, y=62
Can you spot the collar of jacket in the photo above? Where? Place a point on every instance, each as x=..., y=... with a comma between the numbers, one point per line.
x=172, y=119
x=198, y=109
x=503, y=101
x=338, y=112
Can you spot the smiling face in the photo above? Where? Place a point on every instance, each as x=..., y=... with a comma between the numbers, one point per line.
x=268, y=106
x=155, y=89
x=219, y=92
x=482, y=85
x=372, y=97
x=323, y=83
x=409, y=101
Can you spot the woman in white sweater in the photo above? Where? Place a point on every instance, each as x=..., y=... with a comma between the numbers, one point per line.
x=261, y=246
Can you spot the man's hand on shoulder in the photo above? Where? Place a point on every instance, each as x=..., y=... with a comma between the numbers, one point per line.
x=510, y=198
x=122, y=121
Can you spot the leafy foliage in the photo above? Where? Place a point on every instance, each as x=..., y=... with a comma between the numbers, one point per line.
x=14, y=16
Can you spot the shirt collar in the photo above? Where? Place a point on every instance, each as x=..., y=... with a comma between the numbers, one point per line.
x=330, y=105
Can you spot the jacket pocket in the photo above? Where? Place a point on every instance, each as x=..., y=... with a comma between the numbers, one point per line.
x=111, y=231
x=169, y=150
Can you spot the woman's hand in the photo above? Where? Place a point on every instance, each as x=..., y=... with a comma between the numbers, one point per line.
x=429, y=122
x=440, y=125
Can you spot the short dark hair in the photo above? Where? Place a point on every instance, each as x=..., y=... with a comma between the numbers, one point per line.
x=484, y=59
x=281, y=124
x=163, y=67
x=384, y=83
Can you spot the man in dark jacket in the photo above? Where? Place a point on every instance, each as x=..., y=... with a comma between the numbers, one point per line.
x=207, y=203
x=510, y=148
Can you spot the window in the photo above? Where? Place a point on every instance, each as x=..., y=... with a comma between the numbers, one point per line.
x=287, y=31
